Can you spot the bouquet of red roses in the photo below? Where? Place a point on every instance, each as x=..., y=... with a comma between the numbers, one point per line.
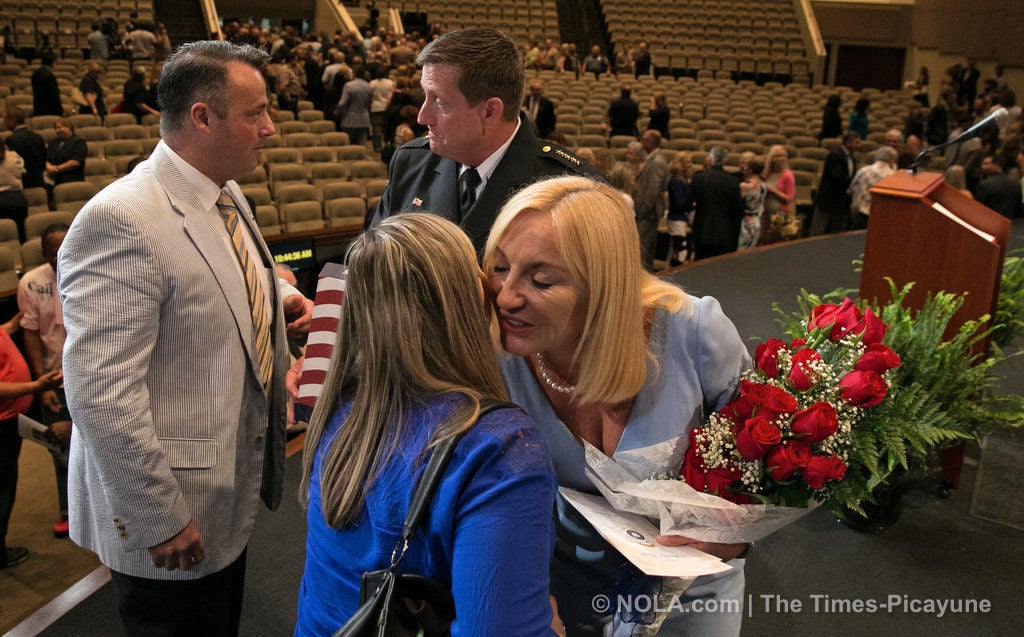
x=787, y=437
x=783, y=446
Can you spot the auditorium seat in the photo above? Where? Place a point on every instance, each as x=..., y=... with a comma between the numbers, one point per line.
x=340, y=189
x=35, y=224
x=31, y=254
x=302, y=215
x=268, y=220
x=291, y=192
x=345, y=211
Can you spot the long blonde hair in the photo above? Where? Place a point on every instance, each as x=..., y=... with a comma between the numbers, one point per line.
x=596, y=235
x=412, y=327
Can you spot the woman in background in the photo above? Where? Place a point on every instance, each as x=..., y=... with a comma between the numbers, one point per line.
x=781, y=188
x=659, y=115
x=412, y=360
x=859, y=117
x=136, y=95
x=753, y=191
x=831, y=120
x=92, y=91
x=680, y=249
x=66, y=155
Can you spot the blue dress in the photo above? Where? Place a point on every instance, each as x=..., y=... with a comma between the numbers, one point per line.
x=859, y=124
x=699, y=362
x=489, y=531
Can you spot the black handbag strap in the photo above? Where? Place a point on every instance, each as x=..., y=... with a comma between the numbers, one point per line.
x=424, y=492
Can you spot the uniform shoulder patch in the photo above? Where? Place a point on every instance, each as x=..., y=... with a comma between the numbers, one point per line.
x=561, y=154
x=569, y=160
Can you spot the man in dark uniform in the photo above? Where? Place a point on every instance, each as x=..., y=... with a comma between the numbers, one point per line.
x=479, y=150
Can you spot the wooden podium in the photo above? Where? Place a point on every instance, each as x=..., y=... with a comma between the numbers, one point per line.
x=921, y=230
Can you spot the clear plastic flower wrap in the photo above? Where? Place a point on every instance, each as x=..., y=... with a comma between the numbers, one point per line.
x=679, y=508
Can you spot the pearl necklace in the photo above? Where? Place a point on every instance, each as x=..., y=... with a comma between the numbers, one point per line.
x=549, y=377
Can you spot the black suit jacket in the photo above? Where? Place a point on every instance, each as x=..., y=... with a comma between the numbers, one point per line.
x=718, y=207
x=32, y=148
x=622, y=115
x=421, y=181
x=835, y=180
x=1000, y=193
x=45, y=93
x=546, y=118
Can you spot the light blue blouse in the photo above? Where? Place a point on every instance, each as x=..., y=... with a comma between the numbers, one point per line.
x=695, y=370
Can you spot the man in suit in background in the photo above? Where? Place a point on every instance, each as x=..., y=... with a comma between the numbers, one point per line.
x=998, y=190
x=718, y=207
x=45, y=91
x=648, y=203
x=479, y=150
x=540, y=110
x=832, y=203
x=176, y=354
x=29, y=144
x=623, y=113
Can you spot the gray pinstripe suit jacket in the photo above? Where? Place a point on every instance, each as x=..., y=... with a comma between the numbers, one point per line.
x=160, y=372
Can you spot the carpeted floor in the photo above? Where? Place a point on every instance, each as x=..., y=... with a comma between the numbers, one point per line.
x=53, y=564
x=999, y=476
x=808, y=578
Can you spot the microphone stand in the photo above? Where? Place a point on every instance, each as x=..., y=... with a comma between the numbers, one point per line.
x=996, y=117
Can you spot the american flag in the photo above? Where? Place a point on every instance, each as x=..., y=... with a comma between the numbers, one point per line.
x=323, y=327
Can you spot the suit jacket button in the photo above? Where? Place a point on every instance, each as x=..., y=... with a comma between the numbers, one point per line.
x=259, y=437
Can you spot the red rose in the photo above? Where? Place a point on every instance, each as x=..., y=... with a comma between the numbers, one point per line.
x=766, y=356
x=729, y=412
x=769, y=401
x=743, y=406
x=720, y=480
x=785, y=458
x=693, y=463
x=871, y=328
x=838, y=319
x=877, y=358
x=797, y=343
x=862, y=388
x=716, y=481
x=821, y=469
x=757, y=436
x=817, y=422
x=800, y=375
x=693, y=470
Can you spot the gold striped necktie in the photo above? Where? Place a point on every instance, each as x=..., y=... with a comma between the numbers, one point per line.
x=254, y=285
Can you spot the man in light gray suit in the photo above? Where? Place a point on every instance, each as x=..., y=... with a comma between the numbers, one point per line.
x=354, y=107
x=648, y=203
x=180, y=428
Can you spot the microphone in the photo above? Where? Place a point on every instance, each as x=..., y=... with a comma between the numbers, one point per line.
x=997, y=116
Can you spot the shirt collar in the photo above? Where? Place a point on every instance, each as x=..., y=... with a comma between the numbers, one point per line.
x=487, y=166
x=202, y=186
